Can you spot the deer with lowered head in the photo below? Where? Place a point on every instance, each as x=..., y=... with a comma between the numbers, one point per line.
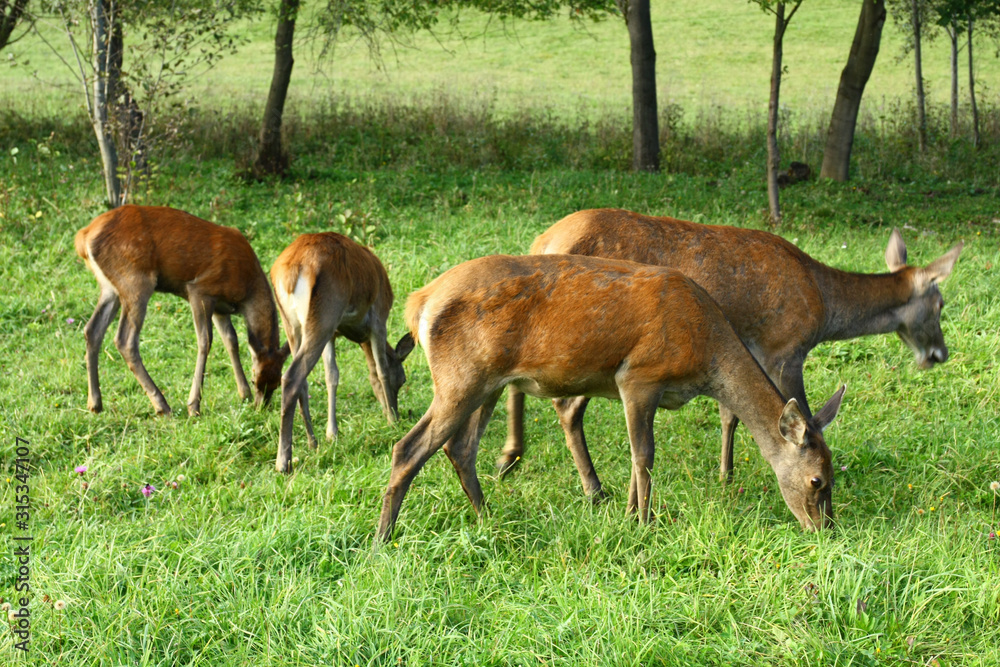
x=134, y=251
x=327, y=286
x=781, y=302
x=561, y=325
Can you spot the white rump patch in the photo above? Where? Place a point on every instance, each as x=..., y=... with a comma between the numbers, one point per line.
x=102, y=279
x=424, y=331
x=300, y=299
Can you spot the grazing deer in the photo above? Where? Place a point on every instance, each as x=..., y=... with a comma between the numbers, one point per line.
x=781, y=302
x=134, y=251
x=328, y=285
x=561, y=325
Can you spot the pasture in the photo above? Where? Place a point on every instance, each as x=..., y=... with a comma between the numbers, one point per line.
x=239, y=565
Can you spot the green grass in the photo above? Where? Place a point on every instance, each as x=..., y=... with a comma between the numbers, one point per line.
x=240, y=565
x=710, y=53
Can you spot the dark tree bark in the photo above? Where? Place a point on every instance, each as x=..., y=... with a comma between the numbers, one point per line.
x=125, y=113
x=11, y=14
x=919, y=70
x=952, y=30
x=972, y=95
x=854, y=78
x=271, y=156
x=100, y=118
x=645, y=123
x=773, y=156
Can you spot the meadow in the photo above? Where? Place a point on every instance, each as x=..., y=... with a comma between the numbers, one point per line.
x=239, y=565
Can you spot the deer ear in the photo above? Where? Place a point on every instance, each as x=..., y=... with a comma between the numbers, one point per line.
x=404, y=347
x=895, y=253
x=793, y=423
x=941, y=267
x=829, y=411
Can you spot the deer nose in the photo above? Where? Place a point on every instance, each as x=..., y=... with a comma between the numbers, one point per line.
x=938, y=355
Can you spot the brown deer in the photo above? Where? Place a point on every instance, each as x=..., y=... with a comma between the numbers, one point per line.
x=562, y=325
x=134, y=251
x=328, y=285
x=781, y=302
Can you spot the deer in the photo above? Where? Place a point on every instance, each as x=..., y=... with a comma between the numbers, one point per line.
x=564, y=325
x=134, y=251
x=781, y=302
x=327, y=286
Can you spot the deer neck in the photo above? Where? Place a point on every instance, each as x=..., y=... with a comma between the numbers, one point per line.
x=859, y=304
x=262, y=318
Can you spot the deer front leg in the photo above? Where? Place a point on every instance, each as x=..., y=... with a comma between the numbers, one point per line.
x=639, y=413
x=513, y=448
x=378, y=365
x=729, y=424
x=201, y=310
x=571, y=411
x=224, y=324
x=107, y=308
x=127, y=342
x=332, y=381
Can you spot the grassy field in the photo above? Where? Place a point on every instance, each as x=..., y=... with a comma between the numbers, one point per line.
x=711, y=53
x=238, y=565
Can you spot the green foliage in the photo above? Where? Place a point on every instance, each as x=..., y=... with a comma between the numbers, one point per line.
x=239, y=565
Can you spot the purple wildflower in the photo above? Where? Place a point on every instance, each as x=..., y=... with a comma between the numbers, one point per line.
x=70, y=320
x=80, y=470
x=148, y=490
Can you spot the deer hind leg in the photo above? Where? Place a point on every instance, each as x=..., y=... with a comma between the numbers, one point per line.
x=332, y=381
x=224, y=324
x=107, y=308
x=513, y=448
x=294, y=390
x=201, y=310
x=729, y=424
x=571, y=411
x=127, y=342
x=639, y=412
x=463, y=447
x=438, y=425
x=378, y=365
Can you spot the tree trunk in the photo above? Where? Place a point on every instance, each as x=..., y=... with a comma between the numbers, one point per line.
x=271, y=156
x=99, y=117
x=918, y=67
x=773, y=156
x=972, y=95
x=10, y=16
x=126, y=117
x=645, y=123
x=854, y=78
x=952, y=30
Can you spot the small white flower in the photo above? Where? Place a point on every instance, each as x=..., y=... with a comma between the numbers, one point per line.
x=295, y=460
x=5, y=606
x=59, y=605
x=994, y=486
x=181, y=478
x=11, y=616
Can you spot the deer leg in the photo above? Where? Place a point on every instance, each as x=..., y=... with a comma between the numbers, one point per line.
x=729, y=424
x=201, y=310
x=293, y=386
x=378, y=365
x=107, y=308
x=463, y=447
x=513, y=449
x=441, y=421
x=127, y=342
x=332, y=380
x=571, y=411
x=224, y=324
x=639, y=413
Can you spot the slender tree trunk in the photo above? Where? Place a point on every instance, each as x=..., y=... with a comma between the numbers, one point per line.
x=854, y=78
x=918, y=67
x=972, y=95
x=271, y=156
x=126, y=117
x=952, y=30
x=645, y=122
x=11, y=14
x=99, y=10
x=773, y=156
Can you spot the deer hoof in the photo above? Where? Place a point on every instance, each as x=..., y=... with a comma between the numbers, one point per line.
x=506, y=463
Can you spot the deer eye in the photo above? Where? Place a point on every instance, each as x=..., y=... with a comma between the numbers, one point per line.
x=816, y=482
